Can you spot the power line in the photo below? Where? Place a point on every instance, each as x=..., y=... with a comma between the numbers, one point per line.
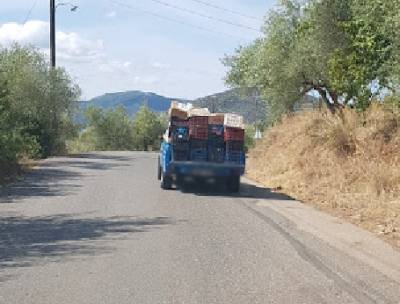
x=186, y=10
x=227, y=10
x=30, y=11
x=127, y=6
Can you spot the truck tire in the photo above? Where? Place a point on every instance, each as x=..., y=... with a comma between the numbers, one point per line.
x=233, y=184
x=166, y=181
x=159, y=172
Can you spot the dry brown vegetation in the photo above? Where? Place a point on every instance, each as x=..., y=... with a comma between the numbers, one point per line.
x=347, y=164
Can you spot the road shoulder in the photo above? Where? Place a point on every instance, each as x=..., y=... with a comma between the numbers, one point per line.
x=336, y=232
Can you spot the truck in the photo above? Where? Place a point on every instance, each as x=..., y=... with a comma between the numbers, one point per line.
x=199, y=146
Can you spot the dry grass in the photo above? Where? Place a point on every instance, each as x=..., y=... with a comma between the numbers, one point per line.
x=348, y=165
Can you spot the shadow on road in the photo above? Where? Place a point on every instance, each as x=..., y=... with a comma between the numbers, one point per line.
x=247, y=191
x=60, y=176
x=30, y=241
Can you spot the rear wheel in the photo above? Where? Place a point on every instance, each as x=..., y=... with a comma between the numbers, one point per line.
x=233, y=184
x=166, y=181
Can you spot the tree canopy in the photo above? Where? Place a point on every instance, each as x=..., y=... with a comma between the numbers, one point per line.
x=36, y=105
x=346, y=50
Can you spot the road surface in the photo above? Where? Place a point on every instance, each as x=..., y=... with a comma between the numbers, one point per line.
x=97, y=228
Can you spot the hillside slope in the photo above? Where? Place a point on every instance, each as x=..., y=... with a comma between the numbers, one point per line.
x=130, y=100
x=229, y=101
x=234, y=102
x=348, y=165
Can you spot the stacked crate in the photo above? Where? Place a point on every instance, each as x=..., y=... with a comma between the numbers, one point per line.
x=198, y=135
x=180, y=139
x=234, y=139
x=216, y=144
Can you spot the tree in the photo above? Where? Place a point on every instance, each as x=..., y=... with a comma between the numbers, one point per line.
x=109, y=130
x=338, y=48
x=147, y=128
x=36, y=106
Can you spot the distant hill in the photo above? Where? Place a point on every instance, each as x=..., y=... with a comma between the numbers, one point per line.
x=229, y=101
x=131, y=101
x=233, y=101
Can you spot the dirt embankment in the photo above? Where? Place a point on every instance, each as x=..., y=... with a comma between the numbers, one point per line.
x=348, y=165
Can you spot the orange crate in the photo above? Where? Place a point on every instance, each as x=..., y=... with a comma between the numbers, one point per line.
x=198, y=121
x=198, y=132
x=233, y=134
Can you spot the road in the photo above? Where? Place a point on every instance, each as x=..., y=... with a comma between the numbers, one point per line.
x=97, y=228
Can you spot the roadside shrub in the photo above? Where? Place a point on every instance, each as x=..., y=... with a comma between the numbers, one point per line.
x=36, y=105
x=347, y=164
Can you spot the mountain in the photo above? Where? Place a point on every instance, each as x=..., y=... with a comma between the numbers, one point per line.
x=228, y=101
x=131, y=101
x=232, y=101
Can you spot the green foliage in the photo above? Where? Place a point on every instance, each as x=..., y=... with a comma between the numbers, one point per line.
x=147, y=128
x=36, y=105
x=338, y=48
x=114, y=130
x=108, y=130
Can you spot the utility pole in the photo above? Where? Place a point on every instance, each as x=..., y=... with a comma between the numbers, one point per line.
x=53, y=33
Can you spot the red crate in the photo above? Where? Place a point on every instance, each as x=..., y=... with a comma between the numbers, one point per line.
x=198, y=121
x=233, y=134
x=198, y=132
x=179, y=122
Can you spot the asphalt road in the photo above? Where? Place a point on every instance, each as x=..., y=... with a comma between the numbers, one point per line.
x=97, y=228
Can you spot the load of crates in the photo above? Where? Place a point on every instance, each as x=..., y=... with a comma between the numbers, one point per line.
x=195, y=134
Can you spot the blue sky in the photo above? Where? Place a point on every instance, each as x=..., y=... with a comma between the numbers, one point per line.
x=108, y=47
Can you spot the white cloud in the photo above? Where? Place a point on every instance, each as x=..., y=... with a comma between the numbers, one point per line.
x=161, y=66
x=70, y=45
x=111, y=15
x=32, y=32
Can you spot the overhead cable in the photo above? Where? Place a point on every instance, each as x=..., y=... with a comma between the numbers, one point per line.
x=193, y=12
x=228, y=10
x=151, y=13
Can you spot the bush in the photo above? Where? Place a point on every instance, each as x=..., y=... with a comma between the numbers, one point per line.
x=114, y=130
x=36, y=105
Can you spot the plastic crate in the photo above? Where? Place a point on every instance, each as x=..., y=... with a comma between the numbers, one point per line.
x=181, y=146
x=198, y=144
x=180, y=155
x=198, y=154
x=216, y=119
x=216, y=130
x=198, y=121
x=216, y=154
x=180, y=134
x=232, y=134
x=175, y=122
x=235, y=157
x=234, y=145
x=198, y=132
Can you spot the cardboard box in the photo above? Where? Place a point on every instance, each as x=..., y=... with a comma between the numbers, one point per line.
x=178, y=113
x=199, y=112
x=234, y=121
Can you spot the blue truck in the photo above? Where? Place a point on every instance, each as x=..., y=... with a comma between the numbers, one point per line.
x=183, y=160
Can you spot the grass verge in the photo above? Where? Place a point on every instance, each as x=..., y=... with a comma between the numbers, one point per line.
x=346, y=164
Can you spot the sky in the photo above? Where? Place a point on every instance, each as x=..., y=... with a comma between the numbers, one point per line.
x=160, y=46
